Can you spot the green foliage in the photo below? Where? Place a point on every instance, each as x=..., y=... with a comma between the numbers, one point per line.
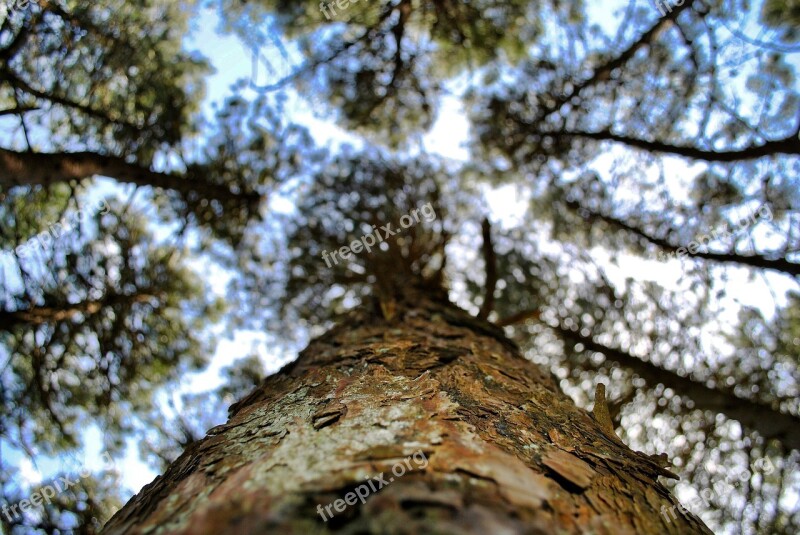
x=784, y=15
x=248, y=152
x=610, y=131
x=346, y=197
x=96, y=326
x=768, y=353
x=83, y=508
x=382, y=64
x=107, y=74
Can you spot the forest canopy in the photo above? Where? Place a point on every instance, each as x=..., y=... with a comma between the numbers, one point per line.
x=615, y=184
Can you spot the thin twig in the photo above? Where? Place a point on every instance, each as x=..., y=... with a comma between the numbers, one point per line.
x=490, y=261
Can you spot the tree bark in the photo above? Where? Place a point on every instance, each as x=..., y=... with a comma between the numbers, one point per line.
x=505, y=450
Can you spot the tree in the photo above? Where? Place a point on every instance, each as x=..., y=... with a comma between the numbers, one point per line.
x=98, y=333
x=96, y=319
x=637, y=142
x=81, y=508
x=408, y=374
x=404, y=371
x=111, y=79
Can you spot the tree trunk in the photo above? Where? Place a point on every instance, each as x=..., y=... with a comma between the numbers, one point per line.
x=435, y=406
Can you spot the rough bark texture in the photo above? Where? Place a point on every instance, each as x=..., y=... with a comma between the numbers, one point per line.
x=507, y=451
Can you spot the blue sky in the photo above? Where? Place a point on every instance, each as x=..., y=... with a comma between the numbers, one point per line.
x=232, y=62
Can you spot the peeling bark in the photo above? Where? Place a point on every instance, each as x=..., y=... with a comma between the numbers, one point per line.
x=507, y=451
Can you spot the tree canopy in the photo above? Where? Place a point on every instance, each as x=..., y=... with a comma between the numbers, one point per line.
x=628, y=210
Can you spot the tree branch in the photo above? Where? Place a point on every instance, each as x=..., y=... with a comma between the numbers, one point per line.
x=23, y=168
x=54, y=314
x=603, y=72
x=787, y=145
x=18, y=110
x=490, y=263
x=22, y=85
x=755, y=261
x=769, y=422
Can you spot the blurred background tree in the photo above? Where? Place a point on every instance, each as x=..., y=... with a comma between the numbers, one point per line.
x=604, y=140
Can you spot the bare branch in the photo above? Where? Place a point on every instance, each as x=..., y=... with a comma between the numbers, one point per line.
x=490, y=261
x=25, y=168
x=603, y=72
x=755, y=261
x=18, y=110
x=788, y=145
x=768, y=421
